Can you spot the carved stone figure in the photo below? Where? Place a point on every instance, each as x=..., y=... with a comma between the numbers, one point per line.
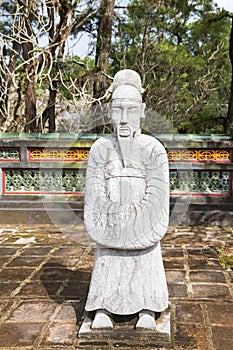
x=126, y=213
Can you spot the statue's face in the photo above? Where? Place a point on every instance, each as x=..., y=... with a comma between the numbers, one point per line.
x=126, y=111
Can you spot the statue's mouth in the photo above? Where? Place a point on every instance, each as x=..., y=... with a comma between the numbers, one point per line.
x=124, y=131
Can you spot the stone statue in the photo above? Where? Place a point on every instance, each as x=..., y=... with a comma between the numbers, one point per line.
x=126, y=213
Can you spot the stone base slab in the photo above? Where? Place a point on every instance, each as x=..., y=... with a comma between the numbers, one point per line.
x=124, y=332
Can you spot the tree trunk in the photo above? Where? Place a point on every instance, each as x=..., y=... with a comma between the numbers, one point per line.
x=29, y=91
x=30, y=106
x=229, y=120
x=106, y=12
x=49, y=113
x=11, y=67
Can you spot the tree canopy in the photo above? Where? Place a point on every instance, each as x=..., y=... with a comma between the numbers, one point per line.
x=179, y=47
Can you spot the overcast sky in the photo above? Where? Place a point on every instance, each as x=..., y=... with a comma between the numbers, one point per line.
x=226, y=4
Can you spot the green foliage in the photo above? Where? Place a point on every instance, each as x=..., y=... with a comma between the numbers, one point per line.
x=180, y=48
x=225, y=255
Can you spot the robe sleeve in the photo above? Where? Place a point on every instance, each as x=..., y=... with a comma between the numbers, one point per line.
x=132, y=225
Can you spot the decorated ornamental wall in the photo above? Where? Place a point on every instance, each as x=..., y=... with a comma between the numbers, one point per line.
x=34, y=164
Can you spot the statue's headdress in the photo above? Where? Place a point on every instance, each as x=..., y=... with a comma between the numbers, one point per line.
x=127, y=77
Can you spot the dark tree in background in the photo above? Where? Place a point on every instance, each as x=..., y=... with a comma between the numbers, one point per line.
x=229, y=120
x=104, y=36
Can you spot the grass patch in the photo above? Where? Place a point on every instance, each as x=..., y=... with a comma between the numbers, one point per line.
x=225, y=255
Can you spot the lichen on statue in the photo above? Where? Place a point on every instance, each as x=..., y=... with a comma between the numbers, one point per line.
x=126, y=213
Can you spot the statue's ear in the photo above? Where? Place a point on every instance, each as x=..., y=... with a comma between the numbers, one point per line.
x=143, y=111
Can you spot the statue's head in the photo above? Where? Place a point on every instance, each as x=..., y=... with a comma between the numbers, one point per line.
x=126, y=108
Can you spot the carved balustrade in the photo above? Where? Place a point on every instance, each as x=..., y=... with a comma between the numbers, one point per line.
x=35, y=164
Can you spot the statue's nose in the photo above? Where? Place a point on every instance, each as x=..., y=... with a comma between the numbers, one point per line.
x=124, y=119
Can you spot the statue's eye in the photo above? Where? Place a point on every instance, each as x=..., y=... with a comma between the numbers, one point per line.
x=116, y=110
x=116, y=114
x=132, y=110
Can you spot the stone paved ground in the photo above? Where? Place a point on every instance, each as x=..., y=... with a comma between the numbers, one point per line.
x=44, y=277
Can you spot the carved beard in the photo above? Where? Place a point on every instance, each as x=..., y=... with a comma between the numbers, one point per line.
x=125, y=138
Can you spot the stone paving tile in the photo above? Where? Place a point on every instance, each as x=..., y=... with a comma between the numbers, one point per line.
x=221, y=314
x=177, y=290
x=175, y=276
x=32, y=311
x=215, y=291
x=52, y=272
x=25, y=261
x=189, y=313
x=36, y=251
x=207, y=276
x=173, y=264
x=67, y=312
x=15, y=274
x=69, y=251
x=46, y=310
x=204, y=264
x=75, y=290
x=37, y=289
x=7, y=251
x=60, y=333
x=7, y=288
x=19, y=334
x=3, y=261
x=222, y=337
x=191, y=336
x=203, y=252
x=173, y=252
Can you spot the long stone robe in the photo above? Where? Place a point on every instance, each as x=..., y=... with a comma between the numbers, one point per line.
x=126, y=214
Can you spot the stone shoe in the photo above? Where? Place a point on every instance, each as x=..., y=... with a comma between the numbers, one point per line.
x=102, y=320
x=146, y=320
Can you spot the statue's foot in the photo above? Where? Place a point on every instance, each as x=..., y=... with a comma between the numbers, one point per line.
x=102, y=320
x=146, y=320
